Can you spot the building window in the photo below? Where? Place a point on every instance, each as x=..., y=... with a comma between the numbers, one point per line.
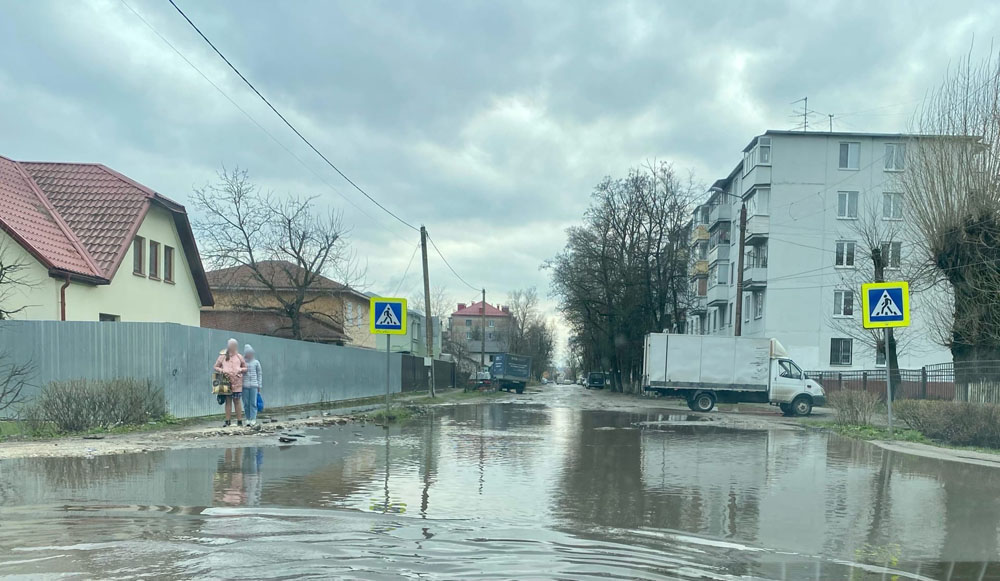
x=722, y=275
x=468, y=335
x=892, y=206
x=732, y=271
x=845, y=254
x=764, y=151
x=468, y=322
x=891, y=252
x=492, y=323
x=732, y=305
x=746, y=309
x=840, y=351
x=106, y=318
x=850, y=155
x=702, y=250
x=895, y=156
x=847, y=205
x=154, y=260
x=759, y=202
x=168, y=264
x=350, y=314
x=490, y=335
x=758, y=305
x=139, y=256
x=843, y=303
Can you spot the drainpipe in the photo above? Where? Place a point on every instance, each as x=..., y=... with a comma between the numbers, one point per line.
x=62, y=298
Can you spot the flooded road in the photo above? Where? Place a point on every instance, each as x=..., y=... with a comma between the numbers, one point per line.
x=544, y=486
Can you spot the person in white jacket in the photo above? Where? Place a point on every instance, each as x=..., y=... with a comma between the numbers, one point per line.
x=253, y=381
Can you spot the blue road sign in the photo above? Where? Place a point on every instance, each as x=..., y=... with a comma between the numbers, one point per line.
x=885, y=304
x=387, y=316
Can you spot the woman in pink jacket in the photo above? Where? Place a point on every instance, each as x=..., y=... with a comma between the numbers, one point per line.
x=231, y=363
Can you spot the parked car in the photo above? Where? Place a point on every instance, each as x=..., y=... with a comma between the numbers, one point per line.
x=596, y=380
x=481, y=379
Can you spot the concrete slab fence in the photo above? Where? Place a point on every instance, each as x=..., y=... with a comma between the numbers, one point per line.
x=179, y=360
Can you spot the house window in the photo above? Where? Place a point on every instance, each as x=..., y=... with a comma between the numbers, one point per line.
x=106, y=318
x=468, y=335
x=350, y=314
x=746, y=309
x=168, y=264
x=892, y=206
x=139, y=256
x=845, y=254
x=468, y=322
x=840, y=351
x=847, y=205
x=154, y=260
x=891, y=254
x=758, y=305
x=843, y=303
x=490, y=335
x=895, y=156
x=850, y=155
x=492, y=323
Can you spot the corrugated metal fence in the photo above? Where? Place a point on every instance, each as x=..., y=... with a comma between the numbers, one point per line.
x=179, y=359
x=973, y=382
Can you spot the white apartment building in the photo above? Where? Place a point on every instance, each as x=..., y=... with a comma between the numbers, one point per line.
x=806, y=194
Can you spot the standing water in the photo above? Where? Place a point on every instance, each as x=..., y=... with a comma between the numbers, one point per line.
x=512, y=491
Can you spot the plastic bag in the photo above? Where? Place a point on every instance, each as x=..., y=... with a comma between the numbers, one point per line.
x=260, y=402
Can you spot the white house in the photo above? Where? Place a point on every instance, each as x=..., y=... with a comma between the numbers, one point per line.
x=92, y=245
x=807, y=195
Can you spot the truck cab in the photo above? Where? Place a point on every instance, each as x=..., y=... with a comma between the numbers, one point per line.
x=793, y=392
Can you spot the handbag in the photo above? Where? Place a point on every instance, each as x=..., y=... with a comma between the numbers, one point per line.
x=221, y=384
x=221, y=399
x=260, y=402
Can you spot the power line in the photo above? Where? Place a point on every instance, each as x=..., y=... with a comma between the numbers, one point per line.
x=449, y=265
x=405, y=272
x=290, y=126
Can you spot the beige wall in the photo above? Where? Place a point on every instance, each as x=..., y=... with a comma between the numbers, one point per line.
x=356, y=323
x=39, y=295
x=131, y=297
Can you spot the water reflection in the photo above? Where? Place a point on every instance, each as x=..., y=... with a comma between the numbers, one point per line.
x=570, y=492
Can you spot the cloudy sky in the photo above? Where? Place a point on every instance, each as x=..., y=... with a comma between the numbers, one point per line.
x=488, y=122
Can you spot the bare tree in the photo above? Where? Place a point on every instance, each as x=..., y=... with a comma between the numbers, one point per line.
x=287, y=246
x=952, y=185
x=14, y=281
x=528, y=333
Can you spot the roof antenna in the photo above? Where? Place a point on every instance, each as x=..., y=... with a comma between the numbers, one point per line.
x=805, y=112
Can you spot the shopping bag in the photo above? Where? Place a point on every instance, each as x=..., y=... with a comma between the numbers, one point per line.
x=260, y=402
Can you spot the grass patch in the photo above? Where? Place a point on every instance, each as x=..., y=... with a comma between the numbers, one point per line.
x=395, y=414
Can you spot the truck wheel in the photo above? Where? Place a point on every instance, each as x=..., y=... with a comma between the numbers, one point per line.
x=691, y=405
x=519, y=389
x=786, y=409
x=703, y=402
x=802, y=406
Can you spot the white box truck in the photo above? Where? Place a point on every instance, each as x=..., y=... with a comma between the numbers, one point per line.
x=705, y=369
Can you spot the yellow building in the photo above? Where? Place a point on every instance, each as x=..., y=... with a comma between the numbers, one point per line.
x=253, y=300
x=81, y=242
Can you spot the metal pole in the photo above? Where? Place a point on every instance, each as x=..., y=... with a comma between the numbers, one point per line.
x=482, y=356
x=387, y=366
x=888, y=379
x=738, y=329
x=428, y=320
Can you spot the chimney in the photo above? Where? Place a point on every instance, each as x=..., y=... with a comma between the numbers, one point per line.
x=461, y=306
x=505, y=309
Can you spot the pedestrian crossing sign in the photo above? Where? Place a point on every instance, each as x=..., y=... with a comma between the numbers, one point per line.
x=387, y=316
x=885, y=304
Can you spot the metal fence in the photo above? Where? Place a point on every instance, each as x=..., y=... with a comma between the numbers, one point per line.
x=414, y=374
x=972, y=382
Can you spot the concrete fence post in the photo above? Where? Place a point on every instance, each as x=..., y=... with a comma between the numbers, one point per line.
x=923, y=382
x=864, y=381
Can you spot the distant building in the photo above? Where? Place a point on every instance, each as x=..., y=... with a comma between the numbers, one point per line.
x=96, y=246
x=466, y=328
x=415, y=339
x=804, y=193
x=334, y=313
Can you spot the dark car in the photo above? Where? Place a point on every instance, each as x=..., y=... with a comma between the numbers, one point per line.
x=596, y=380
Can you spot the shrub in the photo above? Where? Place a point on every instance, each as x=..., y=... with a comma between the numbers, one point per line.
x=79, y=405
x=855, y=408
x=956, y=423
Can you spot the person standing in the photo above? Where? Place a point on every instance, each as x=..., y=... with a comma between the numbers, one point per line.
x=232, y=364
x=252, y=384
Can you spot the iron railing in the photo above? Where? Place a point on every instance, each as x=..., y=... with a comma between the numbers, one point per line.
x=965, y=381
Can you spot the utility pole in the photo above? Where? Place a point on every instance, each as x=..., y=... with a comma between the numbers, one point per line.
x=738, y=329
x=428, y=316
x=482, y=355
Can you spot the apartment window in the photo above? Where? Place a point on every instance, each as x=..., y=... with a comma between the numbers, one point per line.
x=704, y=214
x=847, y=205
x=139, y=255
x=719, y=235
x=732, y=305
x=702, y=287
x=845, y=254
x=722, y=275
x=490, y=335
x=757, y=257
x=843, y=303
x=746, y=309
x=758, y=203
x=154, y=260
x=891, y=252
x=468, y=335
x=840, y=351
x=168, y=264
x=492, y=323
x=758, y=305
x=892, y=206
x=107, y=318
x=895, y=156
x=468, y=322
x=764, y=151
x=715, y=321
x=732, y=271
x=850, y=155
x=702, y=250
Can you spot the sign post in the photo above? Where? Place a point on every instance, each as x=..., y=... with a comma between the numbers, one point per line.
x=387, y=316
x=886, y=305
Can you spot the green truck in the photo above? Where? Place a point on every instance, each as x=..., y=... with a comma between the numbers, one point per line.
x=511, y=371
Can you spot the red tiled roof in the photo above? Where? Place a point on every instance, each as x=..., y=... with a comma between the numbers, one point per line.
x=280, y=273
x=80, y=218
x=272, y=324
x=476, y=310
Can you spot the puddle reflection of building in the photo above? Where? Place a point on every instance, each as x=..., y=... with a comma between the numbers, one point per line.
x=237, y=477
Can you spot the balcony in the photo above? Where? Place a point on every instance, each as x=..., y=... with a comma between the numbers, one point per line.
x=758, y=227
x=754, y=277
x=699, y=232
x=699, y=305
x=718, y=295
x=720, y=213
x=720, y=252
x=699, y=268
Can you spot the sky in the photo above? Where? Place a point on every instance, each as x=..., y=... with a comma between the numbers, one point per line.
x=487, y=122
